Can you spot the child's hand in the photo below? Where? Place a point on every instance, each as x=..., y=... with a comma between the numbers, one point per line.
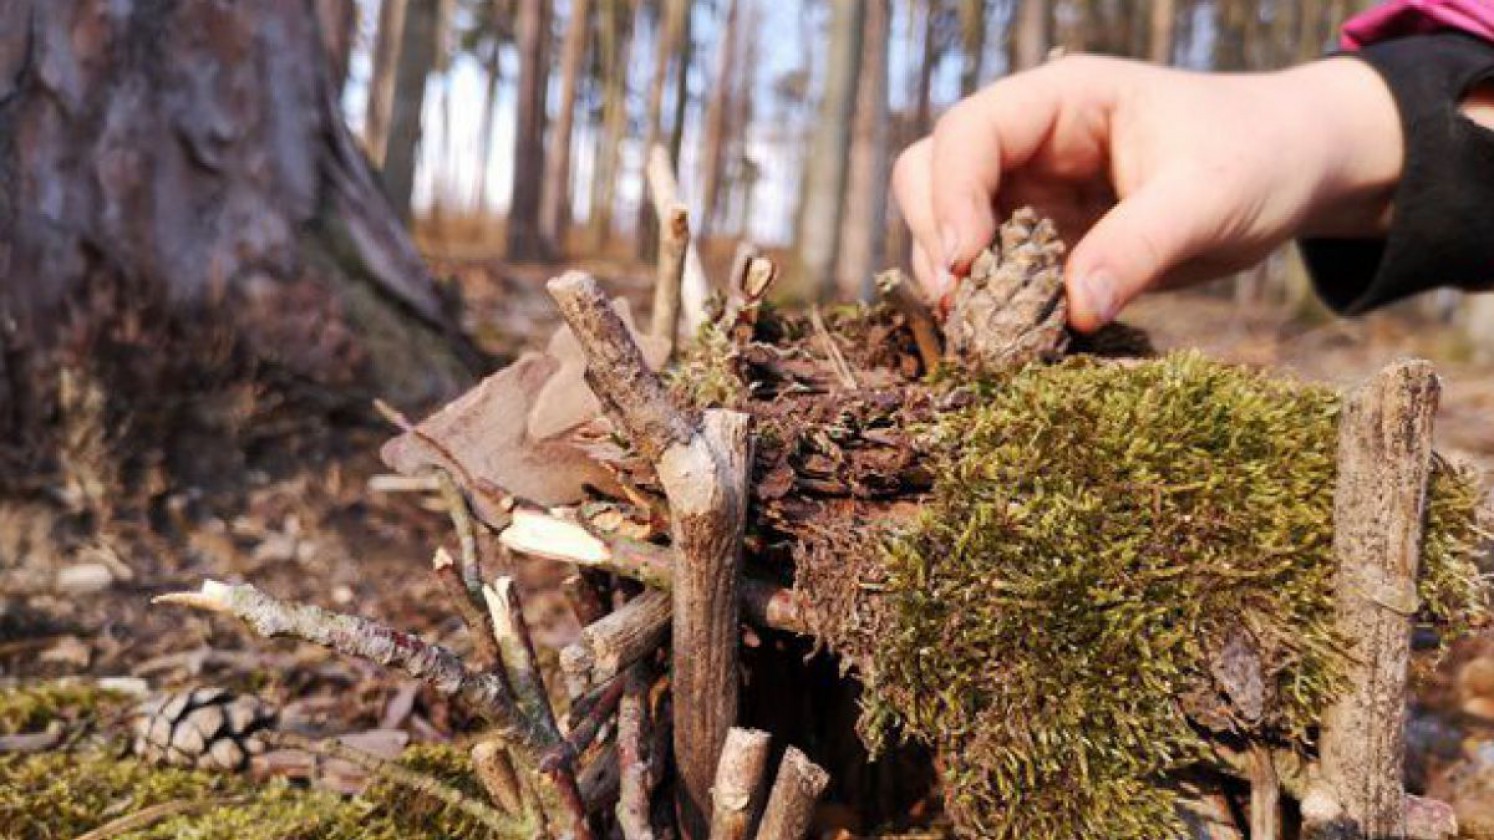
x=1156, y=176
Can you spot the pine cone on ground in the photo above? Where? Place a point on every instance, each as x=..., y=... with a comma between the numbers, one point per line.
x=208, y=728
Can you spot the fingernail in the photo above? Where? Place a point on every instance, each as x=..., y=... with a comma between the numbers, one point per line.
x=1099, y=290
x=949, y=239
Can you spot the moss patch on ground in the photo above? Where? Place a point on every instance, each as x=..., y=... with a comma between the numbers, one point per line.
x=1098, y=536
x=64, y=793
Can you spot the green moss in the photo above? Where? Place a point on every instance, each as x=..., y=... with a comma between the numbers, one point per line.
x=31, y=707
x=1095, y=534
x=59, y=795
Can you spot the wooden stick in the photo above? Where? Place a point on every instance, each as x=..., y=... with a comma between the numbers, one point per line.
x=708, y=491
x=900, y=293
x=674, y=242
x=462, y=523
x=635, y=793
x=587, y=727
x=1384, y=460
x=790, y=808
x=517, y=649
x=705, y=473
x=1265, y=795
x=617, y=641
x=479, y=626
x=542, y=535
x=495, y=772
x=739, y=780
x=694, y=287
x=741, y=259
x=485, y=694
x=616, y=371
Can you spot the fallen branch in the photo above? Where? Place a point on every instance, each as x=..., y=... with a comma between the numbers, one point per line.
x=609, y=646
x=790, y=808
x=739, y=780
x=442, y=670
x=479, y=627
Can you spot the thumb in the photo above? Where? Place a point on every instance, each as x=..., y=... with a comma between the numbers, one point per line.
x=1132, y=247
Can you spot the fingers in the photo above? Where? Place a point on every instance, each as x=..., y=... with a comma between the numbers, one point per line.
x=910, y=185
x=991, y=133
x=1134, y=246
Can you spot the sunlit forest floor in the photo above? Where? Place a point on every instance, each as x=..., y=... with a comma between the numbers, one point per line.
x=316, y=532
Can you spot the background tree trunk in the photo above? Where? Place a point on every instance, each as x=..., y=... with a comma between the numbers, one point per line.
x=724, y=92
x=524, y=242
x=339, y=22
x=616, y=36
x=1030, y=38
x=381, y=85
x=973, y=43
x=418, y=54
x=818, y=239
x=1163, y=27
x=555, y=217
x=669, y=36
x=862, y=247
x=186, y=166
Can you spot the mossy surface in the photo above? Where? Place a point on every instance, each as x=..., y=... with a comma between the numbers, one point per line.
x=63, y=794
x=1097, y=535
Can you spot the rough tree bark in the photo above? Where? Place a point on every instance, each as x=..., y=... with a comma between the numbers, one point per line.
x=524, y=241
x=862, y=245
x=418, y=54
x=817, y=240
x=190, y=160
x=381, y=85
x=555, y=212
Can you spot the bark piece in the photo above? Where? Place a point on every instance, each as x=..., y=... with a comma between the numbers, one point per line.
x=1011, y=310
x=1384, y=459
x=495, y=772
x=790, y=808
x=566, y=401
x=739, y=783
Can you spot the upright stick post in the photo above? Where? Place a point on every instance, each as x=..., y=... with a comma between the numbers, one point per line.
x=674, y=243
x=1384, y=461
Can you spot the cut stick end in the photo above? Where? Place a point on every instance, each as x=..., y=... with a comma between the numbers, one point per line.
x=212, y=597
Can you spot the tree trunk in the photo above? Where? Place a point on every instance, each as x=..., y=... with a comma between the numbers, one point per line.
x=723, y=95
x=381, y=85
x=862, y=247
x=185, y=166
x=1030, y=39
x=338, y=20
x=818, y=239
x=617, y=25
x=494, y=70
x=524, y=242
x=555, y=217
x=1163, y=26
x=669, y=35
x=418, y=52
x=972, y=43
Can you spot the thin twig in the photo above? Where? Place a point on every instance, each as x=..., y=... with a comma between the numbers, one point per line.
x=832, y=350
x=154, y=814
x=479, y=625
x=466, y=530
x=674, y=242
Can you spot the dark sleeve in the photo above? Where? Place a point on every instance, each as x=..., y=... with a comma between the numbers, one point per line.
x=1442, y=212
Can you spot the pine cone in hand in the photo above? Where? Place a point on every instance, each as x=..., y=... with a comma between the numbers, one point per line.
x=1011, y=310
x=208, y=728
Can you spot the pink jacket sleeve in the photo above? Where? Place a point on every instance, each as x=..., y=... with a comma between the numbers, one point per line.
x=1414, y=17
